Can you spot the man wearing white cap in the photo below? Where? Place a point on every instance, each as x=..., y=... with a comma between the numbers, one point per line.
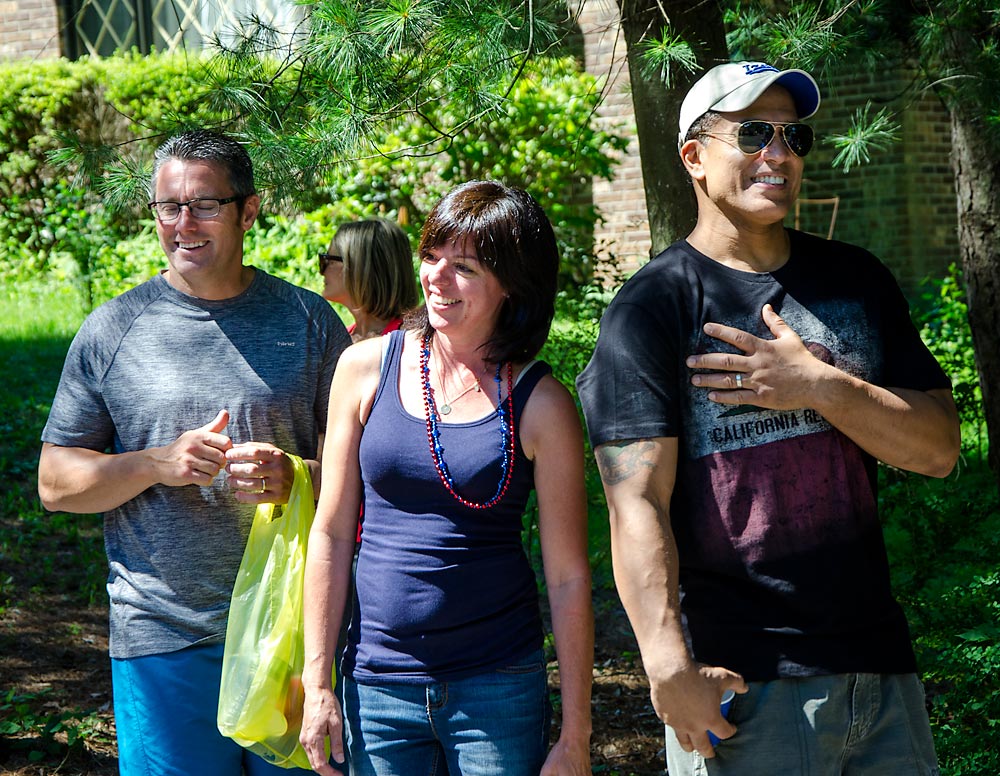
x=744, y=385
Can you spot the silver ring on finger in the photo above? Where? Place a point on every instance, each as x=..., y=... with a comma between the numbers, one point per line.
x=739, y=381
x=263, y=485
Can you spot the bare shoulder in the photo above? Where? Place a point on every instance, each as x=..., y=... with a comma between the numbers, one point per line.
x=356, y=378
x=360, y=362
x=549, y=395
x=550, y=415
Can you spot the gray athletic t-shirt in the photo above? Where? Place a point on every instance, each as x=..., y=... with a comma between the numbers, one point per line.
x=154, y=363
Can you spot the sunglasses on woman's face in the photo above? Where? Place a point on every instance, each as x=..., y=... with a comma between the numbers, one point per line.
x=752, y=137
x=325, y=259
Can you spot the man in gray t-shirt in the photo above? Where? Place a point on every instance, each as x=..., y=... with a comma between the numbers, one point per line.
x=177, y=405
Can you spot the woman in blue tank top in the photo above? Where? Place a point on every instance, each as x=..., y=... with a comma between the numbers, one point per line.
x=442, y=431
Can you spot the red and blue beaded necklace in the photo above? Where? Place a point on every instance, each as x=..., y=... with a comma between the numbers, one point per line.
x=505, y=414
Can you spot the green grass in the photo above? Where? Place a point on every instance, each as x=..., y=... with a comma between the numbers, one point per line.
x=38, y=548
x=46, y=559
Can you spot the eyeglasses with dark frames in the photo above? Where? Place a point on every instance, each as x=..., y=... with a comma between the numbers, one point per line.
x=752, y=137
x=202, y=207
x=325, y=259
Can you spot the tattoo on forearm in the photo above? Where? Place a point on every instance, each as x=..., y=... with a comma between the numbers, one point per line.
x=618, y=463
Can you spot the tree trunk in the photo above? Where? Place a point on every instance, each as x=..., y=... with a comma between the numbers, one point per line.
x=977, y=185
x=669, y=196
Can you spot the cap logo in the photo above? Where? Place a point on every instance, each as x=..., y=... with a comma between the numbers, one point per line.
x=752, y=68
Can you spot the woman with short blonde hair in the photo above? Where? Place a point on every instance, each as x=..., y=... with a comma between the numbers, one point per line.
x=369, y=270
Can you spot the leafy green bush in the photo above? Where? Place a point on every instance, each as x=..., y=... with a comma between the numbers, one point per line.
x=40, y=100
x=960, y=646
x=47, y=219
x=943, y=539
x=544, y=139
x=118, y=266
x=37, y=100
x=570, y=343
x=158, y=93
x=944, y=323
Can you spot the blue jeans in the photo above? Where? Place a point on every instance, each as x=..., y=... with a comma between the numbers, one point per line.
x=165, y=714
x=495, y=724
x=841, y=725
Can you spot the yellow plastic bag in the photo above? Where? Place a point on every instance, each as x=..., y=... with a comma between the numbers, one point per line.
x=260, y=701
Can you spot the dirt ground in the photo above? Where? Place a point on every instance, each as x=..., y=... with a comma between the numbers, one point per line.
x=54, y=667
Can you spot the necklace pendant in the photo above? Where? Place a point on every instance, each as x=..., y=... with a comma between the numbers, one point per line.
x=505, y=413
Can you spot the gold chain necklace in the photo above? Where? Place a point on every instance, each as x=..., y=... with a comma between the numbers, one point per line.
x=445, y=408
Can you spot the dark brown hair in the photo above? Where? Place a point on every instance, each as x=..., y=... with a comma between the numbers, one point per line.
x=514, y=240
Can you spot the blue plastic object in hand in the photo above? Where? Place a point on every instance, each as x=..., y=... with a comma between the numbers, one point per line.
x=727, y=702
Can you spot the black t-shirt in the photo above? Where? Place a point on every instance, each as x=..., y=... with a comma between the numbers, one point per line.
x=783, y=570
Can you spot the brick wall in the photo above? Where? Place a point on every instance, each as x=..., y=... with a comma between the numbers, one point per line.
x=901, y=206
x=622, y=201
x=28, y=29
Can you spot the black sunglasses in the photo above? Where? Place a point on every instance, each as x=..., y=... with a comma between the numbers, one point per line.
x=325, y=259
x=752, y=137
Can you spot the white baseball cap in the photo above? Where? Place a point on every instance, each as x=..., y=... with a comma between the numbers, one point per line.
x=737, y=85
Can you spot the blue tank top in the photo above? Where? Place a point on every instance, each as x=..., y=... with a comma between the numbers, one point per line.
x=443, y=591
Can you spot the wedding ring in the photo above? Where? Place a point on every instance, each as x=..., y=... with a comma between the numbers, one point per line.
x=739, y=381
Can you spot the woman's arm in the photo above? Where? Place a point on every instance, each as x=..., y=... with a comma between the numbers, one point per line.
x=331, y=550
x=551, y=435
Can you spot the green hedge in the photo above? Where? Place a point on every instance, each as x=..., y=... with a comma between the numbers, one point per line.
x=544, y=139
x=46, y=218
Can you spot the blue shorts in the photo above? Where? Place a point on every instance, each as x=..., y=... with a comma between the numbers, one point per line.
x=840, y=725
x=494, y=724
x=165, y=714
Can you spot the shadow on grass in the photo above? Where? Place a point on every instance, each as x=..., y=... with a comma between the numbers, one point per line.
x=55, y=691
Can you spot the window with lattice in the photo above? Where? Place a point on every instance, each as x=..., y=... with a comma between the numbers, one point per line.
x=104, y=27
